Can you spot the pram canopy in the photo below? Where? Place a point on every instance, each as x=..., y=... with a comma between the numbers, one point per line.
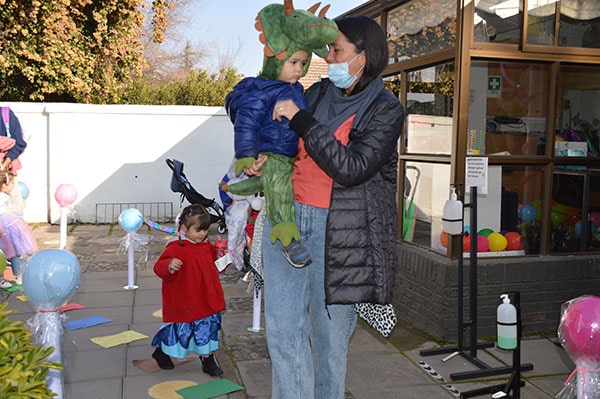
x=181, y=184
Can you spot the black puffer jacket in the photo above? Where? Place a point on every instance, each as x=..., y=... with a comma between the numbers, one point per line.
x=361, y=247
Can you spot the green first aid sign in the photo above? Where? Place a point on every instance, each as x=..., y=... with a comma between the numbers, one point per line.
x=494, y=86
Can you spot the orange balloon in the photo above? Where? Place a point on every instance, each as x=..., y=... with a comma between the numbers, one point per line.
x=466, y=243
x=444, y=239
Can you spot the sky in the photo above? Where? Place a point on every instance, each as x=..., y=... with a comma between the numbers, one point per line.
x=228, y=27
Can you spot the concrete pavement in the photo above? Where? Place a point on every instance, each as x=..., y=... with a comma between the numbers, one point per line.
x=378, y=367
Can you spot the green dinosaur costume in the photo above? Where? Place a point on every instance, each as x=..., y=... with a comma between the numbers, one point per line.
x=284, y=31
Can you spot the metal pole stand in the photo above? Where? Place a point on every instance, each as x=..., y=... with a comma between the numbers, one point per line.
x=256, y=312
x=470, y=352
x=514, y=383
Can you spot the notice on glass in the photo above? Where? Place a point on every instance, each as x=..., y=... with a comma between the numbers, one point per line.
x=476, y=174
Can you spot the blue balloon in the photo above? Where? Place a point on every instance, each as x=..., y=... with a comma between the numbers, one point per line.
x=468, y=229
x=130, y=220
x=24, y=190
x=577, y=228
x=50, y=277
x=528, y=213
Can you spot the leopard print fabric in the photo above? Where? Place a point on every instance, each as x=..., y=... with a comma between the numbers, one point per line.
x=381, y=317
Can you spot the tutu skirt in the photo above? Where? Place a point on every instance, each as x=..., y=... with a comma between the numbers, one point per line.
x=179, y=339
x=17, y=236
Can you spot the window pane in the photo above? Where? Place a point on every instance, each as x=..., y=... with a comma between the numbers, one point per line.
x=498, y=21
x=579, y=23
x=541, y=17
x=509, y=215
x=424, y=203
x=512, y=208
x=575, y=201
x=429, y=110
x=507, y=108
x=421, y=27
x=521, y=205
x=579, y=118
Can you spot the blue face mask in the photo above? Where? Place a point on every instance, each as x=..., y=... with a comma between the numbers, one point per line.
x=339, y=74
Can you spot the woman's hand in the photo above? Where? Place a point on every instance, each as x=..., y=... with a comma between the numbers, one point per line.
x=285, y=108
x=174, y=265
x=254, y=170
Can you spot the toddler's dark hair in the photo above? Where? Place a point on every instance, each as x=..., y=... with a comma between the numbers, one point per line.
x=193, y=214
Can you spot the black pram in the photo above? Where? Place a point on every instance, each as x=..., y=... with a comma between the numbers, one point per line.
x=180, y=184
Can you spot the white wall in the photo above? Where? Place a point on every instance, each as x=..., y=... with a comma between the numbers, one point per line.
x=116, y=154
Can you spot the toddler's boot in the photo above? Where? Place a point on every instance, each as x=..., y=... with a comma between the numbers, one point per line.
x=164, y=361
x=210, y=366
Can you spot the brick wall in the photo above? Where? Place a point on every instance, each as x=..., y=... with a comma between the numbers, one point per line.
x=426, y=291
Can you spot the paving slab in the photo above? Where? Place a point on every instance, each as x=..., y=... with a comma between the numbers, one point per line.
x=378, y=367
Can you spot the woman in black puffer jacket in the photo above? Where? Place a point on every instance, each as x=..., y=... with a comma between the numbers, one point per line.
x=345, y=191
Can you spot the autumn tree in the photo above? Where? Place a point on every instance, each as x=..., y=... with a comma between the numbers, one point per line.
x=167, y=57
x=69, y=50
x=93, y=51
x=172, y=73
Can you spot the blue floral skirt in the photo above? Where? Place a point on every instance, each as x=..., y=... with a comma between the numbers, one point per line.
x=179, y=339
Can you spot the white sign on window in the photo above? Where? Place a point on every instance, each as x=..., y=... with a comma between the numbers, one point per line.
x=476, y=172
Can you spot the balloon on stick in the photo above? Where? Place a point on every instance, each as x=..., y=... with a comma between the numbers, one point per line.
x=130, y=220
x=579, y=334
x=50, y=278
x=65, y=195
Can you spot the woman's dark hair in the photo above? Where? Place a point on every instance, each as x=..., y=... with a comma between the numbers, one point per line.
x=367, y=35
x=192, y=214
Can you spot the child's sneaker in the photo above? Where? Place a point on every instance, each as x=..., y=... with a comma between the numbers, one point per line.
x=296, y=254
x=5, y=283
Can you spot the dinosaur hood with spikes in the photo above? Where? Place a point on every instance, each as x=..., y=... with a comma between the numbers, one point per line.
x=285, y=30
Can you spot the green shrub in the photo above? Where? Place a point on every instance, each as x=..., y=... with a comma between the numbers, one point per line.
x=198, y=88
x=23, y=368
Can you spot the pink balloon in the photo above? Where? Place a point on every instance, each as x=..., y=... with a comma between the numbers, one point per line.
x=65, y=195
x=483, y=245
x=579, y=330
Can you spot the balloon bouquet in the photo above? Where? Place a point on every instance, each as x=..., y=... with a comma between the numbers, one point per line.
x=579, y=334
x=130, y=220
x=50, y=278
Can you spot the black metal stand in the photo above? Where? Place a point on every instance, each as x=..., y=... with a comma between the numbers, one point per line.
x=470, y=353
x=514, y=382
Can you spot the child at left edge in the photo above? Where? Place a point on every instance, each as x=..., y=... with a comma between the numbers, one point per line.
x=192, y=296
x=16, y=236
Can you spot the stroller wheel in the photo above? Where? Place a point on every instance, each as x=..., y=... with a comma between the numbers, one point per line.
x=221, y=229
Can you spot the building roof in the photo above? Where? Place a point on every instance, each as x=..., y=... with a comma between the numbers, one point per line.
x=316, y=70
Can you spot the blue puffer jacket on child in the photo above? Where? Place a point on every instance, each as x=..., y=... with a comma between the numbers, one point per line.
x=250, y=108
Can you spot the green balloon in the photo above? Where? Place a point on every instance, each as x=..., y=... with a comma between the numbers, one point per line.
x=557, y=218
x=2, y=260
x=485, y=232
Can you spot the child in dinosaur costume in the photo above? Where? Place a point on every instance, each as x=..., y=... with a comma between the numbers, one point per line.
x=287, y=34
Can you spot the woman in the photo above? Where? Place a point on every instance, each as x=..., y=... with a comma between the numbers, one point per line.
x=345, y=192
